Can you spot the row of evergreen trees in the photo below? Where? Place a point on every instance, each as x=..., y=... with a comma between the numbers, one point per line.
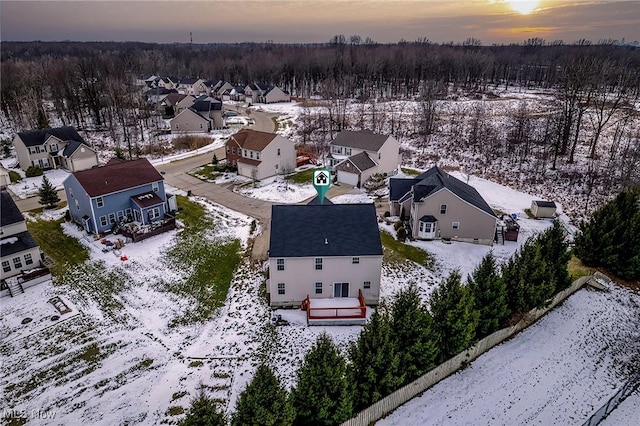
x=611, y=238
x=406, y=339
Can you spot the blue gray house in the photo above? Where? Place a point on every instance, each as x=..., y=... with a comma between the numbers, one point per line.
x=119, y=192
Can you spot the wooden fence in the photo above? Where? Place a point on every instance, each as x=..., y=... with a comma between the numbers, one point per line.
x=167, y=225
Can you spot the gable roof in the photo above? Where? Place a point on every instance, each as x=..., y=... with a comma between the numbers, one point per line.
x=324, y=230
x=206, y=104
x=316, y=201
x=435, y=179
x=191, y=111
x=189, y=80
x=362, y=161
x=9, y=213
x=117, y=177
x=363, y=139
x=38, y=137
x=399, y=187
x=71, y=147
x=17, y=243
x=253, y=139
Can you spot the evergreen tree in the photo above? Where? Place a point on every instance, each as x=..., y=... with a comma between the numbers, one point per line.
x=264, y=402
x=555, y=250
x=413, y=330
x=48, y=194
x=203, y=412
x=374, y=371
x=489, y=295
x=454, y=316
x=214, y=160
x=322, y=394
x=611, y=238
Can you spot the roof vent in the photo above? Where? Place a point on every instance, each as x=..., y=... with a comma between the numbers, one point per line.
x=106, y=182
x=326, y=241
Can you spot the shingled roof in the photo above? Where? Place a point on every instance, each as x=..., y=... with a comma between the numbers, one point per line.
x=362, y=161
x=9, y=213
x=253, y=139
x=117, y=177
x=71, y=147
x=363, y=139
x=17, y=243
x=38, y=137
x=324, y=230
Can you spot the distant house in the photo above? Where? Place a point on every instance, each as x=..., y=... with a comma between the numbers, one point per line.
x=327, y=257
x=115, y=193
x=274, y=94
x=237, y=94
x=223, y=90
x=540, y=208
x=193, y=86
x=19, y=253
x=264, y=93
x=204, y=114
x=356, y=155
x=259, y=155
x=436, y=205
x=53, y=148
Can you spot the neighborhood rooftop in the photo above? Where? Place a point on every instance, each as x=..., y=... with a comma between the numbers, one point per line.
x=38, y=137
x=362, y=161
x=10, y=213
x=363, y=139
x=324, y=230
x=116, y=177
x=253, y=139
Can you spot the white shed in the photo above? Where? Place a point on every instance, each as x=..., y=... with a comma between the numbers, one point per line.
x=540, y=208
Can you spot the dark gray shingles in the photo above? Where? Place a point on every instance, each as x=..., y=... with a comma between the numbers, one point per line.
x=363, y=139
x=38, y=137
x=9, y=211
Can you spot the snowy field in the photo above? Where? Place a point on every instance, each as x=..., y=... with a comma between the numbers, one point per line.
x=559, y=371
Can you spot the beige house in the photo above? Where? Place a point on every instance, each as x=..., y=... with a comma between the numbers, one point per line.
x=19, y=253
x=357, y=155
x=190, y=121
x=264, y=93
x=193, y=86
x=435, y=205
x=324, y=252
x=259, y=155
x=275, y=94
x=53, y=148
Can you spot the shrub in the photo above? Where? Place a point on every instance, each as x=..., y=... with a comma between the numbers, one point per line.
x=34, y=171
x=401, y=234
x=190, y=142
x=397, y=225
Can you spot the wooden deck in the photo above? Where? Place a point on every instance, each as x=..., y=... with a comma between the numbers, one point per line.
x=336, y=311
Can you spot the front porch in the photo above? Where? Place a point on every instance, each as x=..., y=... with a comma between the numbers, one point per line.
x=336, y=310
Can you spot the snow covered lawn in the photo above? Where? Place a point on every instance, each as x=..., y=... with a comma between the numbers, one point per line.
x=278, y=189
x=28, y=187
x=558, y=371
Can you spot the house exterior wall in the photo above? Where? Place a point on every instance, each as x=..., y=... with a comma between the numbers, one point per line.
x=22, y=153
x=189, y=122
x=13, y=271
x=216, y=119
x=300, y=277
x=270, y=159
x=232, y=152
x=82, y=159
x=276, y=95
x=13, y=229
x=5, y=179
x=474, y=224
x=388, y=156
x=184, y=104
x=251, y=95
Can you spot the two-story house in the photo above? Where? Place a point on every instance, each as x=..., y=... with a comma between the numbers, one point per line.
x=53, y=148
x=19, y=253
x=265, y=93
x=259, y=155
x=117, y=192
x=204, y=114
x=193, y=86
x=439, y=206
x=356, y=155
x=324, y=254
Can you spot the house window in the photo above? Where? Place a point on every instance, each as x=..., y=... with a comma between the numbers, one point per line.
x=257, y=155
x=443, y=209
x=251, y=154
x=355, y=260
x=318, y=263
x=99, y=202
x=6, y=266
x=245, y=152
x=154, y=213
x=77, y=205
x=17, y=263
x=120, y=215
x=379, y=156
x=367, y=284
x=112, y=218
x=278, y=152
x=318, y=288
x=154, y=186
x=228, y=148
x=276, y=167
x=280, y=288
x=28, y=260
x=280, y=264
x=103, y=221
x=455, y=225
x=347, y=151
x=233, y=150
x=53, y=147
x=71, y=192
x=127, y=213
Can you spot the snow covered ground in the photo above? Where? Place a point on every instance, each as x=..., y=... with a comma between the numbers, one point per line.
x=559, y=371
x=28, y=187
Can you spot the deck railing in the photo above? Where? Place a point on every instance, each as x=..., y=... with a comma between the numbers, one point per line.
x=354, y=312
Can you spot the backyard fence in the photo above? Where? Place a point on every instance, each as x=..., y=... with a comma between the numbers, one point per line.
x=394, y=400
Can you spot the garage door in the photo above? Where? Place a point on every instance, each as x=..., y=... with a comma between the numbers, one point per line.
x=347, y=178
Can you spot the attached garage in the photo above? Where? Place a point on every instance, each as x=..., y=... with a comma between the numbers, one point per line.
x=348, y=178
x=356, y=169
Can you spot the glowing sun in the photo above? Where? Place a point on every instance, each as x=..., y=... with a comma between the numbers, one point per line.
x=523, y=7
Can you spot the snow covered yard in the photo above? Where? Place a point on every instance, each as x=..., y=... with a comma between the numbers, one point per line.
x=558, y=371
x=278, y=189
x=28, y=187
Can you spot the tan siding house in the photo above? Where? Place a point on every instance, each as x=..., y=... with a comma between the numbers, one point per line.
x=189, y=121
x=262, y=154
x=438, y=206
x=276, y=95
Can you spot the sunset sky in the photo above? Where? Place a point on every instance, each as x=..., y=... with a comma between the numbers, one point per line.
x=308, y=21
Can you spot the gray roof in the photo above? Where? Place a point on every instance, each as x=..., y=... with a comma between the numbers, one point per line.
x=324, y=230
x=542, y=203
x=190, y=80
x=427, y=218
x=38, y=137
x=432, y=181
x=316, y=201
x=24, y=241
x=363, y=139
x=9, y=213
x=71, y=148
x=362, y=161
x=207, y=104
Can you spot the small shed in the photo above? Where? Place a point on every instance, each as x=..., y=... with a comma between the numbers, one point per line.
x=540, y=208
